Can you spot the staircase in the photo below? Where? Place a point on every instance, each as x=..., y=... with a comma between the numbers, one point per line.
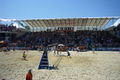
x=44, y=61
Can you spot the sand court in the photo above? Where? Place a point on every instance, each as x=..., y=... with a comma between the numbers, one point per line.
x=104, y=65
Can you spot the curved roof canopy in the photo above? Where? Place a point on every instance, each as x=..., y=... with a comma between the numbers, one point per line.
x=83, y=23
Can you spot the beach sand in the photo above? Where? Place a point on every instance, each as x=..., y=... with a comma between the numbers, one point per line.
x=104, y=65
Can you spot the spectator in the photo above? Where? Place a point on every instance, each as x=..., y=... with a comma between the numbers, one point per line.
x=29, y=75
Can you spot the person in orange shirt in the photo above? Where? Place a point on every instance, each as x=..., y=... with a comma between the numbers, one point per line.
x=29, y=75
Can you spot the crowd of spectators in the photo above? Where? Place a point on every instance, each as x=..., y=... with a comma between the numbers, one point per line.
x=98, y=38
x=4, y=27
x=68, y=38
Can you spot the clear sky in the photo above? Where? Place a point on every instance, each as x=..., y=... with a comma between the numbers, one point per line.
x=37, y=9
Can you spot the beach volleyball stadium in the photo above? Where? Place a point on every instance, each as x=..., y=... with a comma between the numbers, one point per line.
x=86, y=48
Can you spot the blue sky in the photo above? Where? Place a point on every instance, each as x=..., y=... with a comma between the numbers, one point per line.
x=37, y=9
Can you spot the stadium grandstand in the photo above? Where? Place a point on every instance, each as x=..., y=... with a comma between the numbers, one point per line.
x=102, y=32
